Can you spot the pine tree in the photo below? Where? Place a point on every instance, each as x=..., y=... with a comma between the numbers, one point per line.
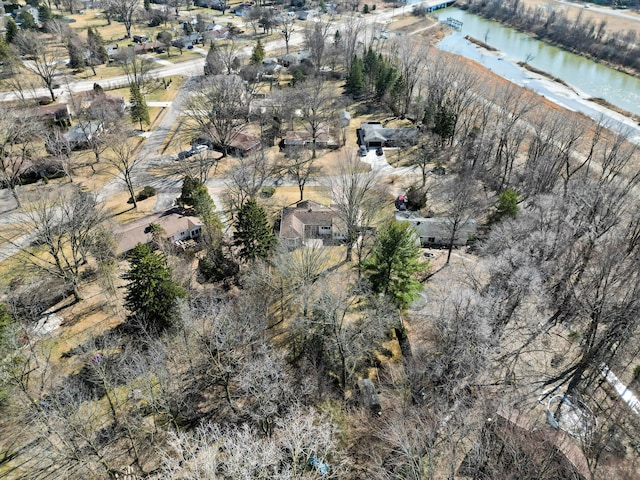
x=355, y=80
x=212, y=64
x=257, y=56
x=393, y=262
x=253, y=233
x=75, y=51
x=12, y=30
x=196, y=194
x=98, y=53
x=152, y=294
x=138, y=110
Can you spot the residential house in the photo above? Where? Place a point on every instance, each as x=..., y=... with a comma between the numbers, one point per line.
x=80, y=135
x=242, y=144
x=436, y=231
x=54, y=114
x=188, y=40
x=31, y=10
x=374, y=134
x=175, y=226
x=304, y=139
x=310, y=223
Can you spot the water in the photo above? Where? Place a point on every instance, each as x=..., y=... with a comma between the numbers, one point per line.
x=589, y=79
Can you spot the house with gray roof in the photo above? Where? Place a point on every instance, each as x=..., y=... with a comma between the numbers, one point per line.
x=310, y=223
x=374, y=134
x=436, y=231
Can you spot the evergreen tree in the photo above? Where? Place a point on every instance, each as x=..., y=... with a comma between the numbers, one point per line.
x=195, y=194
x=152, y=294
x=12, y=30
x=507, y=206
x=257, y=56
x=445, y=123
x=147, y=5
x=44, y=13
x=76, y=53
x=139, y=112
x=27, y=21
x=97, y=51
x=253, y=233
x=355, y=80
x=218, y=265
x=393, y=262
x=212, y=64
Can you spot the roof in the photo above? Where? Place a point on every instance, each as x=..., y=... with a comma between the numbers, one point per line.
x=245, y=142
x=52, y=112
x=171, y=221
x=81, y=133
x=293, y=138
x=377, y=133
x=435, y=226
x=307, y=213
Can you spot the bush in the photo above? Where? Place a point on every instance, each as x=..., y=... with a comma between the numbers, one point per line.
x=416, y=198
x=268, y=191
x=147, y=192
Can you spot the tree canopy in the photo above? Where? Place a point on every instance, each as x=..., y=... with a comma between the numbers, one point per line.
x=152, y=294
x=253, y=235
x=393, y=262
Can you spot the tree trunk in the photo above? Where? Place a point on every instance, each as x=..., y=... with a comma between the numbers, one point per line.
x=14, y=193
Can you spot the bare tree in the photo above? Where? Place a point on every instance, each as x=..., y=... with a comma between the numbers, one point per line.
x=124, y=10
x=300, y=166
x=411, y=56
x=317, y=105
x=218, y=109
x=60, y=149
x=355, y=194
x=463, y=203
x=42, y=58
x=315, y=41
x=16, y=135
x=136, y=67
x=125, y=160
x=63, y=227
x=247, y=177
x=287, y=24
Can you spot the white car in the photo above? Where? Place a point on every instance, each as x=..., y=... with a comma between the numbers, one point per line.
x=198, y=149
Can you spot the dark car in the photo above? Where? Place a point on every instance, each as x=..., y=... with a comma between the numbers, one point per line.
x=379, y=151
x=185, y=154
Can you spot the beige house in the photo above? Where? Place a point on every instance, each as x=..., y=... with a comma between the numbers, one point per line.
x=176, y=227
x=310, y=223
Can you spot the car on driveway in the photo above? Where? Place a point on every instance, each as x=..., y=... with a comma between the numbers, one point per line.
x=379, y=151
x=198, y=149
x=185, y=154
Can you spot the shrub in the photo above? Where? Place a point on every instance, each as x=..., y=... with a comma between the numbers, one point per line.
x=147, y=192
x=268, y=191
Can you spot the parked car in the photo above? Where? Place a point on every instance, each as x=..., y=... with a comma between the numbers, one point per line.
x=198, y=149
x=185, y=154
x=363, y=150
x=379, y=151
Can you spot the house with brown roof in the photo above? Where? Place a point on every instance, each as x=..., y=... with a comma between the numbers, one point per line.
x=310, y=223
x=175, y=227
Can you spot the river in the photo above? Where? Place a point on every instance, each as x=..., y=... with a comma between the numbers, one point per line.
x=587, y=78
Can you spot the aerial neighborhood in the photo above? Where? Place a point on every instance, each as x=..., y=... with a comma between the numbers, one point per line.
x=294, y=239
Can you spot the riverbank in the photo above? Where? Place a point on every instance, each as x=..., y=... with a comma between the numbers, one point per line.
x=550, y=24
